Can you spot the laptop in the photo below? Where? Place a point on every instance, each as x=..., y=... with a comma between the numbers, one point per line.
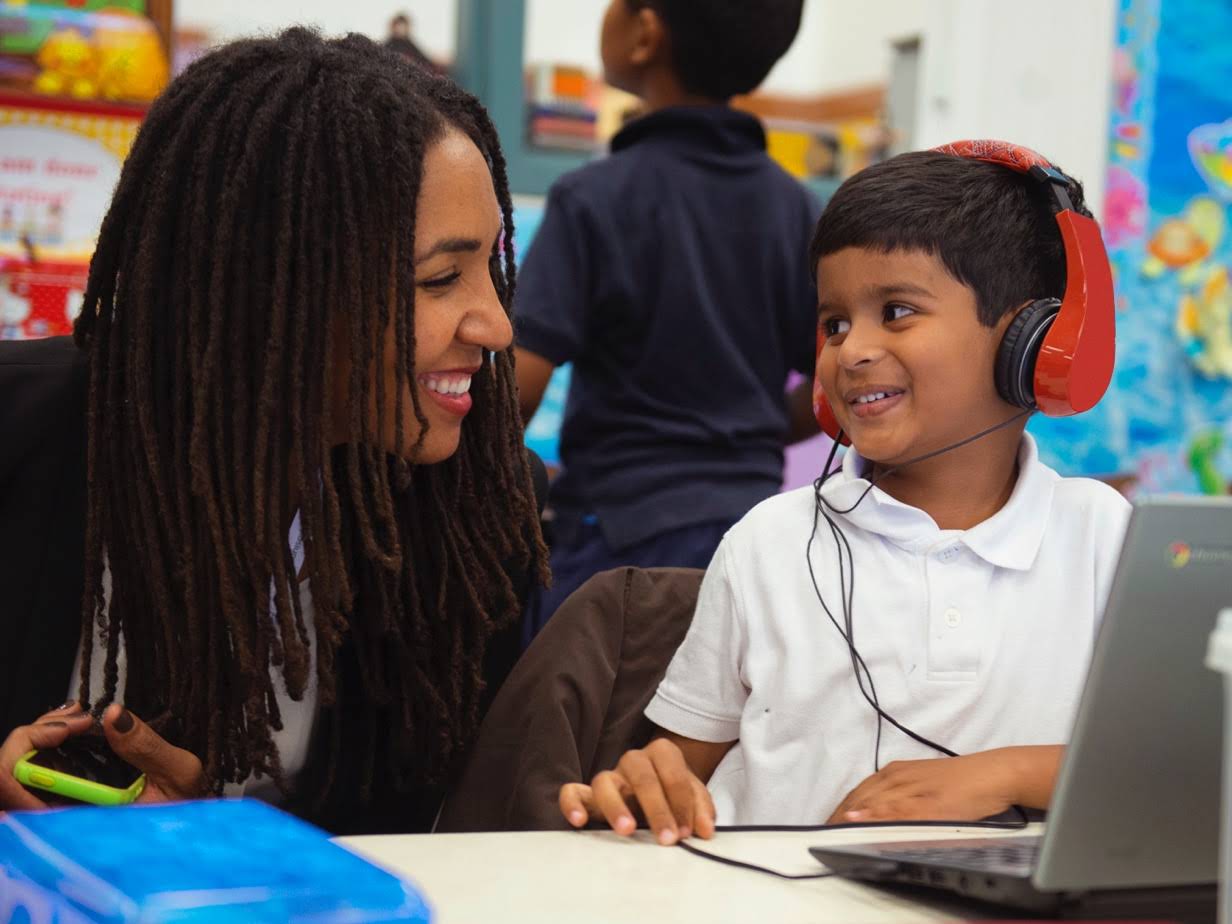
x=1135, y=814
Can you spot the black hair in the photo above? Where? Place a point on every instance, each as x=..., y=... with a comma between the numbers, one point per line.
x=720, y=48
x=994, y=229
x=265, y=215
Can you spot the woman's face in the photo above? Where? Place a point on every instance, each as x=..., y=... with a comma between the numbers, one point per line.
x=458, y=314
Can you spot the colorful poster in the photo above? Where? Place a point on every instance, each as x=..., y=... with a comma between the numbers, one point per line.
x=59, y=163
x=82, y=49
x=1166, y=424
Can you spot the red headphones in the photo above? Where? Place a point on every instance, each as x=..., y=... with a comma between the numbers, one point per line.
x=1056, y=356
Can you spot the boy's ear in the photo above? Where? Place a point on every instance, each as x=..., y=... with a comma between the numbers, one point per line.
x=650, y=39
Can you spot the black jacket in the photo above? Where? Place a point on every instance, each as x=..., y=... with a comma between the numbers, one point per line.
x=42, y=523
x=42, y=530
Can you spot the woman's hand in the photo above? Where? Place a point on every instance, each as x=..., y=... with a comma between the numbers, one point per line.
x=171, y=773
x=954, y=788
x=49, y=730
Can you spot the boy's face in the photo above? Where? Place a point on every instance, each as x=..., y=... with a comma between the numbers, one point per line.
x=907, y=365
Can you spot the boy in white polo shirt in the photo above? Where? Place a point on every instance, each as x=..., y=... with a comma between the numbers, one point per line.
x=971, y=583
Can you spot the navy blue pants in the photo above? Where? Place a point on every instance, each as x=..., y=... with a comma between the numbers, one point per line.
x=587, y=554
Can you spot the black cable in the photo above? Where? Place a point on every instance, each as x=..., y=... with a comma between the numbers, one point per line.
x=847, y=588
x=845, y=826
x=740, y=864
x=924, y=458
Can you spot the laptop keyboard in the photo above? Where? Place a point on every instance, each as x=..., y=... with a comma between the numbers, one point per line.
x=991, y=857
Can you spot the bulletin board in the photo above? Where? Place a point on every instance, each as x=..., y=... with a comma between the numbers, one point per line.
x=76, y=77
x=1166, y=424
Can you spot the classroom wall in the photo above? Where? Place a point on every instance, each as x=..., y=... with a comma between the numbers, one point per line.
x=1039, y=76
x=435, y=20
x=987, y=69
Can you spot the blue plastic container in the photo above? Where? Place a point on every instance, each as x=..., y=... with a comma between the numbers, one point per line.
x=211, y=861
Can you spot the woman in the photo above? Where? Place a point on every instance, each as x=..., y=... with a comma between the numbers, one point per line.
x=308, y=506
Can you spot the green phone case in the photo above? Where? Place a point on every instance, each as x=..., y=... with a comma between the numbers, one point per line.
x=74, y=787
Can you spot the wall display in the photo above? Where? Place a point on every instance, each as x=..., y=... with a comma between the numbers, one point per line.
x=59, y=162
x=75, y=79
x=1166, y=424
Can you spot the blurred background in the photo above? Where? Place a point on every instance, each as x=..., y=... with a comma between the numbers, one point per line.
x=1133, y=97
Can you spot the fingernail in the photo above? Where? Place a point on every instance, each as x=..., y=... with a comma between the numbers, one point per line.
x=685, y=832
x=56, y=724
x=69, y=705
x=577, y=817
x=124, y=722
x=855, y=815
x=625, y=825
x=667, y=837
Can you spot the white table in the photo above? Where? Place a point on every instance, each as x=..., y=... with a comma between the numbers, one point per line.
x=576, y=877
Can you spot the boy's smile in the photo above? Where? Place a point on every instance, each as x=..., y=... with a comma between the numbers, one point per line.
x=906, y=362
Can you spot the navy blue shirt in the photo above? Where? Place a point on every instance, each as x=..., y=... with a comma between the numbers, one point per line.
x=673, y=274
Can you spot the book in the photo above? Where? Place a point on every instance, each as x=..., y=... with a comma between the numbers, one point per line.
x=192, y=862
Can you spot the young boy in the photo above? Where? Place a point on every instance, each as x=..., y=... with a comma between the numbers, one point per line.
x=673, y=275
x=976, y=577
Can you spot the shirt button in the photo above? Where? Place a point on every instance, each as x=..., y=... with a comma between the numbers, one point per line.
x=953, y=618
x=947, y=554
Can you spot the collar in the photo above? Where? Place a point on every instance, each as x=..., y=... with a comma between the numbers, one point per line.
x=1010, y=538
x=713, y=130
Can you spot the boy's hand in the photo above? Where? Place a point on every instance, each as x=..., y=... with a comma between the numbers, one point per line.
x=656, y=779
x=954, y=788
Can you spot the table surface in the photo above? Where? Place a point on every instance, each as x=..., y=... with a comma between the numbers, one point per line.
x=596, y=876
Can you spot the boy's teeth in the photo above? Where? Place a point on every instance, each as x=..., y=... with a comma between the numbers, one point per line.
x=868, y=399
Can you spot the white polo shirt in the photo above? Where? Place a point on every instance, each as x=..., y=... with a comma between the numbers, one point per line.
x=976, y=639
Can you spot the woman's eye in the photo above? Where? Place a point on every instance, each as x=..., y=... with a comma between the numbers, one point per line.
x=833, y=327
x=898, y=312
x=441, y=282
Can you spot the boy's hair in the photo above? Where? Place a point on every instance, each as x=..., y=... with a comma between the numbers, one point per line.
x=720, y=48
x=992, y=228
x=269, y=197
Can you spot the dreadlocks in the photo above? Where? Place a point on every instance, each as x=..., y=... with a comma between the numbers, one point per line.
x=265, y=212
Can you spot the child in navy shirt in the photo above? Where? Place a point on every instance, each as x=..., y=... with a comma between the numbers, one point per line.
x=673, y=276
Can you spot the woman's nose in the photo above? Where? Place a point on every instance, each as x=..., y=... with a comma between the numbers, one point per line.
x=487, y=324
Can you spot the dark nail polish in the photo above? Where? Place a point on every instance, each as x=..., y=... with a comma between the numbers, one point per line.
x=124, y=722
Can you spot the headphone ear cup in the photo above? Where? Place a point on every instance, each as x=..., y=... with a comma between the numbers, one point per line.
x=1014, y=371
x=825, y=417
x=821, y=404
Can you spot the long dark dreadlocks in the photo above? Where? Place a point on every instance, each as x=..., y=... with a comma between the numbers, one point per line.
x=266, y=212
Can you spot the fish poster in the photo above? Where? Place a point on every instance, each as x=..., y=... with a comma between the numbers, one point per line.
x=1166, y=423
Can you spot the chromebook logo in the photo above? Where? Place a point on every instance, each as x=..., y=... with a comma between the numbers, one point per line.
x=1182, y=554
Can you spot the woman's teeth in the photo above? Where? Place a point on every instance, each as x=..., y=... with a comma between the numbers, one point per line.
x=448, y=384
x=876, y=396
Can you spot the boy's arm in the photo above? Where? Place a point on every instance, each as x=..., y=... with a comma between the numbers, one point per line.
x=666, y=780
x=534, y=372
x=964, y=788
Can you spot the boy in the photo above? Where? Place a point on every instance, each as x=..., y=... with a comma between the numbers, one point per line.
x=673, y=276
x=976, y=577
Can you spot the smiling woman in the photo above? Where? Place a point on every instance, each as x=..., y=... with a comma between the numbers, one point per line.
x=309, y=513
